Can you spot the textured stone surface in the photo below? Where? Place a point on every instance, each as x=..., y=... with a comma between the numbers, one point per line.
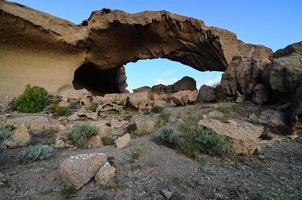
x=101, y=42
x=105, y=174
x=242, y=135
x=79, y=169
x=184, y=97
x=123, y=141
x=206, y=94
x=21, y=136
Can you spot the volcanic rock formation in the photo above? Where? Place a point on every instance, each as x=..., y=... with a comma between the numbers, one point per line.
x=37, y=48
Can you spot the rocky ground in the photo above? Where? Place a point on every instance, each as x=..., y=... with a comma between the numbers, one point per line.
x=145, y=170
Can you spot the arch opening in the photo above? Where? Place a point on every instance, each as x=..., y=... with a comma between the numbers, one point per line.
x=96, y=80
x=150, y=72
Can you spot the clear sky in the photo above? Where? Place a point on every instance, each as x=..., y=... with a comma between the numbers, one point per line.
x=273, y=23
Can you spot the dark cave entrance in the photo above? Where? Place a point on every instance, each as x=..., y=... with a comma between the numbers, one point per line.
x=96, y=80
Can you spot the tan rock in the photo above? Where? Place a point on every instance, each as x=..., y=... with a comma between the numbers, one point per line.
x=105, y=174
x=123, y=141
x=21, y=136
x=141, y=101
x=243, y=136
x=10, y=143
x=184, y=97
x=79, y=169
x=86, y=100
x=115, y=123
x=94, y=141
x=109, y=107
x=64, y=103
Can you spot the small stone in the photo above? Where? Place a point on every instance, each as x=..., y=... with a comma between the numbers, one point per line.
x=261, y=157
x=59, y=143
x=10, y=143
x=105, y=174
x=21, y=136
x=167, y=194
x=94, y=141
x=123, y=141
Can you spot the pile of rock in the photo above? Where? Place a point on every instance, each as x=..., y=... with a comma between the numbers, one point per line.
x=78, y=170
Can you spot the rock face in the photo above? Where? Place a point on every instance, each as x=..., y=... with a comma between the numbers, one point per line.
x=78, y=170
x=246, y=69
x=242, y=135
x=99, y=47
x=206, y=94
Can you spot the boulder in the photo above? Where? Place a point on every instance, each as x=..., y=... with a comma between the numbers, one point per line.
x=159, y=88
x=123, y=141
x=21, y=136
x=142, y=89
x=260, y=94
x=105, y=174
x=242, y=135
x=119, y=99
x=276, y=120
x=160, y=99
x=206, y=94
x=184, y=97
x=186, y=83
x=79, y=169
x=141, y=101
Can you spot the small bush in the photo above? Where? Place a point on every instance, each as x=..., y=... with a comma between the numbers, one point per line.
x=68, y=192
x=157, y=109
x=5, y=132
x=167, y=136
x=36, y=152
x=108, y=140
x=135, y=155
x=32, y=100
x=163, y=118
x=93, y=107
x=206, y=141
x=81, y=132
x=60, y=110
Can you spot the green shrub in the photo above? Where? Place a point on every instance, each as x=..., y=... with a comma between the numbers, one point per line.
x=205, y=141
x=32, y=100
x=167, y=136
x=157, y=109
x=108, y=140
x=5, y=132
x=68, y=192
x=93, y=107
x=219, y=93
x=163, y=118
x=81, y=132
x=60, y=110
x=36, y=152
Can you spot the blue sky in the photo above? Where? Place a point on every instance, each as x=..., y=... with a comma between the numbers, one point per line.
x=273, y=23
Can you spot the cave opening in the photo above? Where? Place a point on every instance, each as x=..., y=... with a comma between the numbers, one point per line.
x=97, y=81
